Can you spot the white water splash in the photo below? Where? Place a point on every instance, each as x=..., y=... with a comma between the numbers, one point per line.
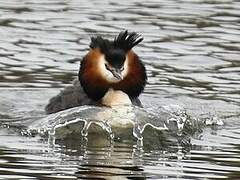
x=114, y=120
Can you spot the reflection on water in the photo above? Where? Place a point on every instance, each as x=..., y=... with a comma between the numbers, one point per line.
x=191, y=51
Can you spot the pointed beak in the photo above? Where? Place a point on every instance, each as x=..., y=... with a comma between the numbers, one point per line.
x=117, y=73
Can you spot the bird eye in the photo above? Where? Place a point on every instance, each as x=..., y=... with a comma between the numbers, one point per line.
x=106, y=66
x=122, y=69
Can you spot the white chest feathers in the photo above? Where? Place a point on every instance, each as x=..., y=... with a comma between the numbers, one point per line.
x=116, y=98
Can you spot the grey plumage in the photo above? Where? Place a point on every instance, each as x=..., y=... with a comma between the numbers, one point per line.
x=69, y=97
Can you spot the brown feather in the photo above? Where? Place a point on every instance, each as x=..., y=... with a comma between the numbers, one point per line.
x=135, y=81
x=95, y=85
x=90, y=77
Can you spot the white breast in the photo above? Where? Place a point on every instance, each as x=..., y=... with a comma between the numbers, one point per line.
x=116, y=98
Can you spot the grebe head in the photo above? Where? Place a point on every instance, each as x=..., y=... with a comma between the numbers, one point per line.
x=112, y=64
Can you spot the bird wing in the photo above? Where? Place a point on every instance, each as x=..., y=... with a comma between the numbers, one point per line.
x=70, y=96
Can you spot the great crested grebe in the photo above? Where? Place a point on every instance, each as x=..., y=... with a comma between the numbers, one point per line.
x=110, y=73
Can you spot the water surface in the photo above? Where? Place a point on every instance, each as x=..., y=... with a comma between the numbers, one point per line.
x=191, y=51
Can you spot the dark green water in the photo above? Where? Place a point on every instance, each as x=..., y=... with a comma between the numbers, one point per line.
x=192, y=55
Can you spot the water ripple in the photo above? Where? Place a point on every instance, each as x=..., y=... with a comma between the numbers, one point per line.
x=191, y=51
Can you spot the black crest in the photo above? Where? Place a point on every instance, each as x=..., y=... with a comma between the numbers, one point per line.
x=125, y=41
x=99, y=42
